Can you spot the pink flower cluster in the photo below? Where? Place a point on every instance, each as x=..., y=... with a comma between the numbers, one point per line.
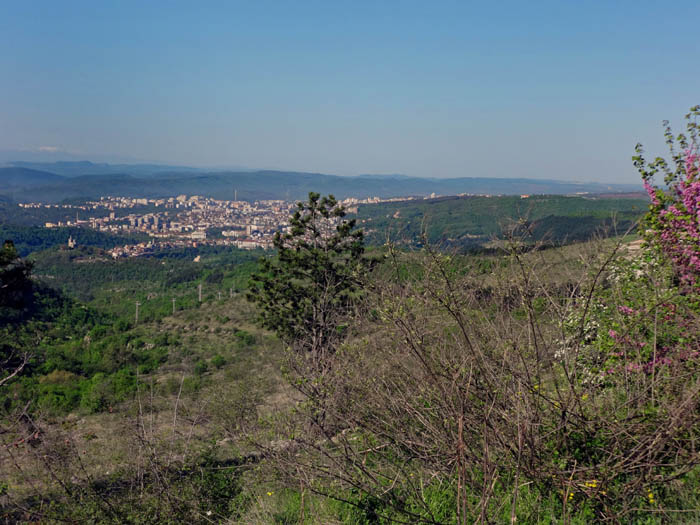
x=626, y=340
x=666, y=357
x=678, y=226
x=626, y=310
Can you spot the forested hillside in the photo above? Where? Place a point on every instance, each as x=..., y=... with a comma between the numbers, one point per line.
x=79, y=323
x=473, y=222
x=28, y=239
x=85, y=365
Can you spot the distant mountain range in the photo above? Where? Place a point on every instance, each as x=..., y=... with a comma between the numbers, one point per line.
x=58, y=181
x=79, y=168
x=19, y=178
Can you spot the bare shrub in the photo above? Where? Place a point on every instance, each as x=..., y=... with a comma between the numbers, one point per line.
x=466, y=388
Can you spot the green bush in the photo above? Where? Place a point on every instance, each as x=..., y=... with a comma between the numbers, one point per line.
x=244, y=338
x=218, y=361
x=200, y=368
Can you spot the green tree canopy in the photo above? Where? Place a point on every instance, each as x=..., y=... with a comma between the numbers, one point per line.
x=306, y=292
x=15, y=283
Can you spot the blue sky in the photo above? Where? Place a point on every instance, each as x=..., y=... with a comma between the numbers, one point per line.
x=443, y=89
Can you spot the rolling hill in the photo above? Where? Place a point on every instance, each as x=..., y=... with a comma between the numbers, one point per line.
x=27, y=185
x=14, y=178
x=474, y=222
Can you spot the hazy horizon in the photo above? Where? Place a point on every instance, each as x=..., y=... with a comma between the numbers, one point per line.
x=445, y=90
x=15, y=158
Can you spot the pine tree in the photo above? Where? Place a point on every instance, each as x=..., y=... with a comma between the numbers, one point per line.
x=306, y=293
x=15, y=283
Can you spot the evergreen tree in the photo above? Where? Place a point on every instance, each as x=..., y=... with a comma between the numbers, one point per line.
x=15, y=299
x=307, y=291
x=15, y=283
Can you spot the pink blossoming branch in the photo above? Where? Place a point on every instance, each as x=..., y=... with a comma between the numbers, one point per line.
x=675, y=218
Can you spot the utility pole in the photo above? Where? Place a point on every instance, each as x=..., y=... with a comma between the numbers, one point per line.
x=173, y=306
x=230, y=292
x=219, y=296
x=200, y=292
x=137, y=312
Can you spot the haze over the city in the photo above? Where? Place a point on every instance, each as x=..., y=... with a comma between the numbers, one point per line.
x=557, y=90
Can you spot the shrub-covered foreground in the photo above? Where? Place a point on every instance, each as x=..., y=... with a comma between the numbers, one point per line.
x=465, y=398
x=551, y=386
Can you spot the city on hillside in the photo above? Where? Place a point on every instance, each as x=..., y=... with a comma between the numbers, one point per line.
x=187, y=221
